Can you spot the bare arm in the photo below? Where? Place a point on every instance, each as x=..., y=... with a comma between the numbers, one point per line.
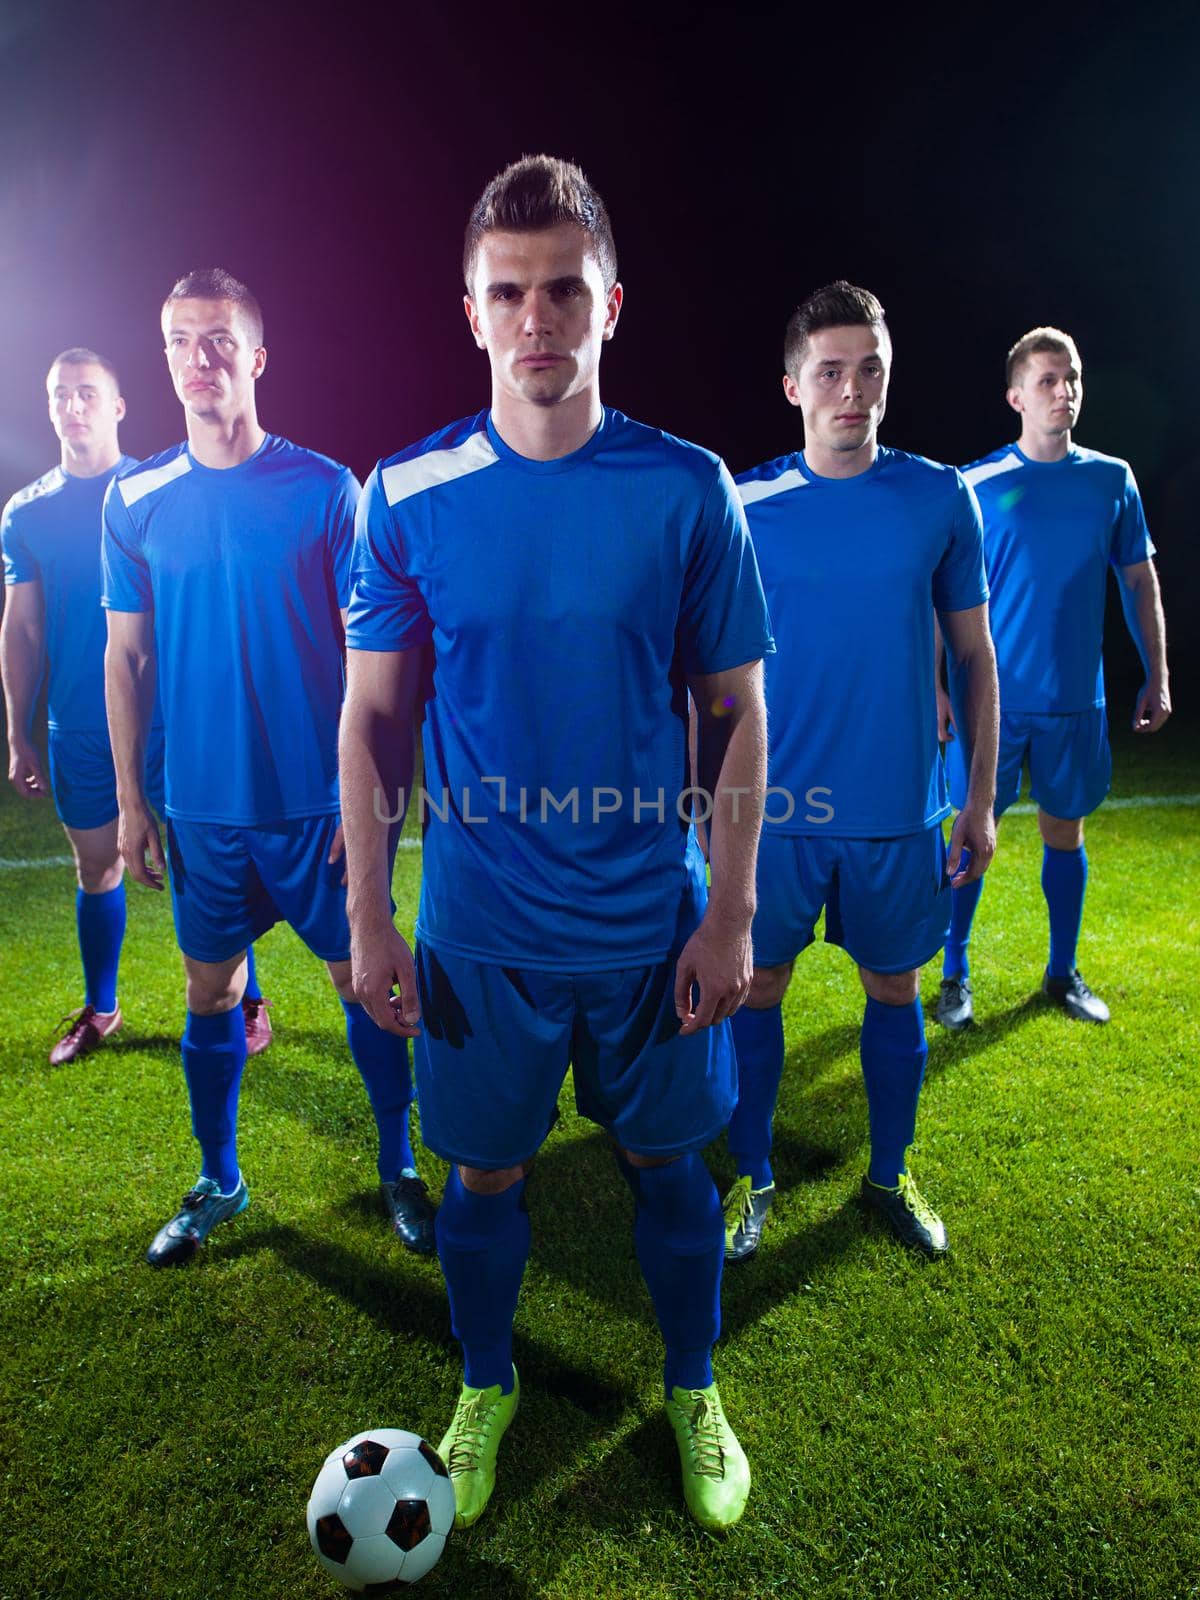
x=731, y=766
x=22, y=661
x=130, y=673
x=1142, y=602
x=376, y=758
x=969, y=640
x=945, y=711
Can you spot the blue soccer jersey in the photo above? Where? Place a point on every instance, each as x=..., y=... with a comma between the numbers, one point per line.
x=852, y=569
x=567, y=602
x=1051, y=529
x=245, y=570
x=51, y=535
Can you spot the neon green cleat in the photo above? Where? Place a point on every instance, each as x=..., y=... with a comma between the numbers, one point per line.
x=745, y=1212
x=716, y=1474
x=470, y=1444
x=909, y=1215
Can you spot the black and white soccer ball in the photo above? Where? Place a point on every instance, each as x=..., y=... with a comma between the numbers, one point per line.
x=381, y=1510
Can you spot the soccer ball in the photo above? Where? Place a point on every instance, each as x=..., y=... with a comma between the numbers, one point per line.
x=381, y=1510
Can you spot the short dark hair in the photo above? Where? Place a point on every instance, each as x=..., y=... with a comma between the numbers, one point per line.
x=1038, y=341
x=541, y=192
x=837, y=305
x=79, y=356
x=214, y=283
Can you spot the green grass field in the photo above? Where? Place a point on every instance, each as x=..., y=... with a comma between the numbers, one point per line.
x=1018, y=1420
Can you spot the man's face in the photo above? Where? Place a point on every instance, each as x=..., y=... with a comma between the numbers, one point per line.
x=539, y=308
x=841, y=388
x=1048, y=392
x=212, y=357
x=85, y=407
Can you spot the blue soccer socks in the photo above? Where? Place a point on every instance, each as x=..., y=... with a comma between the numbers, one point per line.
x=758, y=1040
x=382, y=1061
x=1064, y=882
x=893, y=1051
x=483, y=1245
x=101, y=922
x=214, y=1053
x=963, y=901
x=252, y=991
x=680, y=1237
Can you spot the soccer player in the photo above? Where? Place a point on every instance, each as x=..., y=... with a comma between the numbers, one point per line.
x=1056, y=517
x=51, y=540
x=577, y=574
x=857, y=544
x=226, y=563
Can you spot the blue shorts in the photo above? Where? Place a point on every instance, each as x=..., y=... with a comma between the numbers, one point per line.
x=229, y=885
x=887, y=901
x=496, y=1042
x=1070, y=763
x=84, y=781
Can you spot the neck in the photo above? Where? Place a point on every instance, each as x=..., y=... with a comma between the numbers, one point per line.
x=841, y=463
x=224, y=441
x=546, y=433
x=1045, y=446
x=90, y=463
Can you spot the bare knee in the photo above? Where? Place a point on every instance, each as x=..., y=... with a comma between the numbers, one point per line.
x=1060, y=833
x=215, y=986
x=768, y=986
x=483, y=1180
x=98, y=864
x=644, y=1162
x=343, y=980
x=891, y=988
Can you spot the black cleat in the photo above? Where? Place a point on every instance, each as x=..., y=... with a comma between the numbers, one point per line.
x=1074, y=997
x=955, y=1007
x=200, y=1210
x=745, y=1212
x=412, y=1214
x=909, y=1215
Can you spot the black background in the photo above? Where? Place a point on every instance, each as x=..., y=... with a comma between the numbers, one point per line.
x=981, y=171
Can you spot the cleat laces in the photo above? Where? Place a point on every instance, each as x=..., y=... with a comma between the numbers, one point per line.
x=738, y=1205
x=73, y=1022
x=704, y=1435
x=469, y=1430
x=917, y=1203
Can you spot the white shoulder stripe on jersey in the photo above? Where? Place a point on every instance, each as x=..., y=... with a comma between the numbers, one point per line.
x=143, y=483
x=763, y=488
x=989, y=469
x=406, y=478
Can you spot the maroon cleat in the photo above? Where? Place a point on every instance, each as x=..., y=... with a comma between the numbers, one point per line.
x=87, y=1027
x=258, y=1026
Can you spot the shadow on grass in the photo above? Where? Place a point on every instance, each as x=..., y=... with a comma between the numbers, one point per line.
x=947, y=1048
x=411, y=1304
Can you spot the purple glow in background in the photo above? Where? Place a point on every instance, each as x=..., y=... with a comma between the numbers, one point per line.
x=982, y=174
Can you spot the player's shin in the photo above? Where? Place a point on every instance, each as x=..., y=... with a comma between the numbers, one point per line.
x=758, y=1040
x=680, y=1238
x=1064, y=883
x=214, y=1053
x=382, y=1062
x=101, y=922
x=893, y=1052
x=963, y=901
x=483, y=1244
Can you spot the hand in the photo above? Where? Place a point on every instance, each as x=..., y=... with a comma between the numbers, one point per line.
x=337, y=850
x=379, y=958
x=25, y=771
x=140, y=844
x=945, y=717
x=1152, y=709
x=974, y=831
x=718, y=960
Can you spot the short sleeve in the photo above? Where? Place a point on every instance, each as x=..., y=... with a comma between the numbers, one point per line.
x=125, y=570
x=387, y=609
x=723, y=618
x=340, y=533
x=20, y=565
x=1132, y=543
x=960, y=578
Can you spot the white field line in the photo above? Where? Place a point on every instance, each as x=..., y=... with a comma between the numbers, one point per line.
x=1024, y=808
x=36, y=863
